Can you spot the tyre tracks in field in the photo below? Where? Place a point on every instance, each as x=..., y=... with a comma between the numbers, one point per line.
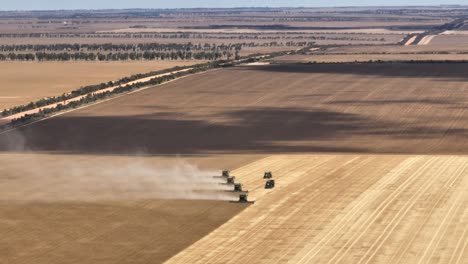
x=346, y=209
x=403, y=212
x=345, y=220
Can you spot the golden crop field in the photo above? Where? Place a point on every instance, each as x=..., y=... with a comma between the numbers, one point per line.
x=346, y=209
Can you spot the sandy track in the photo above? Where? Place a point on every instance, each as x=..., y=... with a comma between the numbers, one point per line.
x=410, y=41
x=346, y=209
x=427, y=40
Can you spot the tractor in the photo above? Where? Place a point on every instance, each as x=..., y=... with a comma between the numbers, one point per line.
x=268, y=175
x=270, y=184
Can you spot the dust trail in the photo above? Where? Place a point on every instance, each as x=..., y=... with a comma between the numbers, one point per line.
x=138, y=180
x=39, y=177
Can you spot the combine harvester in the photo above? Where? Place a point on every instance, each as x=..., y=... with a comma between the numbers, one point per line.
x=243, y=199
x=238, y=187
x=230, y=180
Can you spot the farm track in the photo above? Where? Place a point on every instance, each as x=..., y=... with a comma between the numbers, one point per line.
x=346, y=209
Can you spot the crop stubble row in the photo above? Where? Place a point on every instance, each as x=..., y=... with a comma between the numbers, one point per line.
x=346, y=209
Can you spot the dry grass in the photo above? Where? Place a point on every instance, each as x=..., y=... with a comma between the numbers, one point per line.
x=22, y=83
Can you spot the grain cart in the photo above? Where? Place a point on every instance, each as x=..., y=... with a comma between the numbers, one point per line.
x=270, y=184
x=268, y=175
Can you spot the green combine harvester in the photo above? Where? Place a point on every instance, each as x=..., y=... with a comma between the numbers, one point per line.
x=243, y=198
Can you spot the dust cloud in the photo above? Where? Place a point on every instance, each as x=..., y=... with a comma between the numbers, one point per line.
x=110, y=178
x=39, y=177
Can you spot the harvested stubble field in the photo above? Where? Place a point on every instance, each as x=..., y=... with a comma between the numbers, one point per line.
x=459, y=40
x=24, y=82
x=369, y=108
x=337, y=58
x=84, y=209
x=346, y=209
x=398, y=49
x=350, y=204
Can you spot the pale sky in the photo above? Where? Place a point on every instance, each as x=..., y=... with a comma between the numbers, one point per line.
x=117, y=4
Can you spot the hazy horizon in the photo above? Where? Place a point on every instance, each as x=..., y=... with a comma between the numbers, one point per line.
x=119, y=4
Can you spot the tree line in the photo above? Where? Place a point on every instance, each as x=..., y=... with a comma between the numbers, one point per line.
x=94, y=88
x=92, y=94
x=108, y=47
x=93, y=97
x=116, y=56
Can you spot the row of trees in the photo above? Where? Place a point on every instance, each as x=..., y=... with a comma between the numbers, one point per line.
x=117, y=56
x=94, y=88
x=153, y=47
x=108, y=47
x=93, y=97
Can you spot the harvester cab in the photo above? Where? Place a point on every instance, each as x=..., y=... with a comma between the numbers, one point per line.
x=231, y=180
x=243, y=198
x=225, y=173
x=238, y=187
x=270, y=184
x=268, y=175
